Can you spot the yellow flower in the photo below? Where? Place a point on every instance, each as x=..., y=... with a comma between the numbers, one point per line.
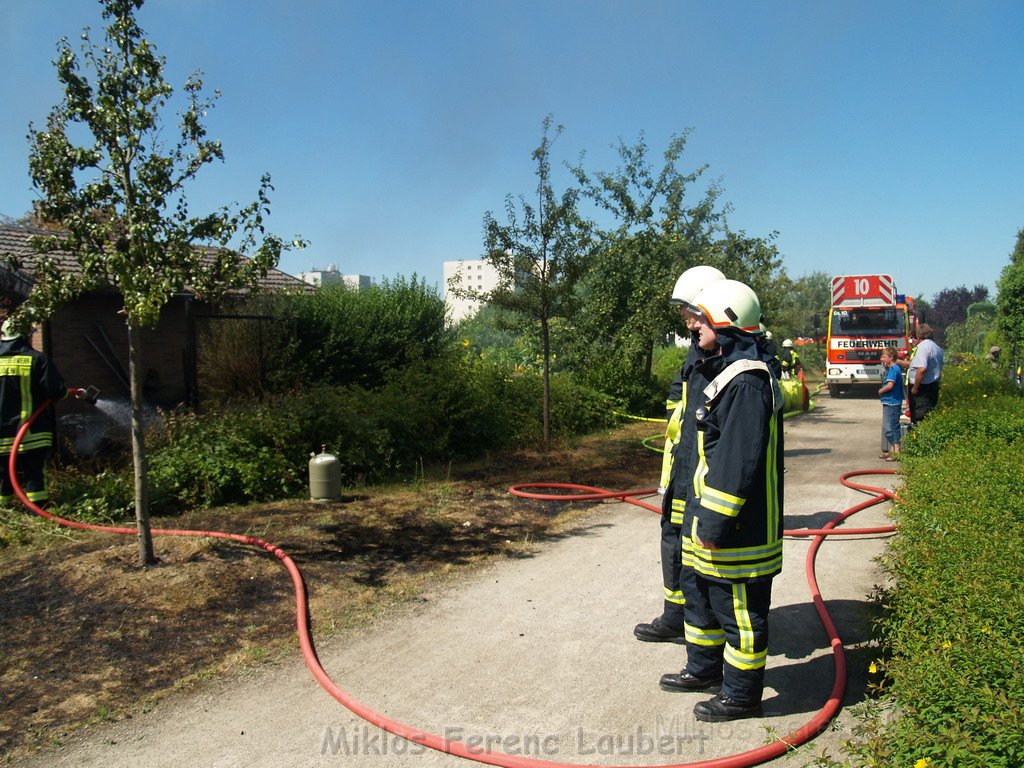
x=946, y=645
x=465, y=342
x=924, y=762
x=873, y=669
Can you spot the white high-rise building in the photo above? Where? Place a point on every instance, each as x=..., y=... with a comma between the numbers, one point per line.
x=470, y=274
x=330, y=275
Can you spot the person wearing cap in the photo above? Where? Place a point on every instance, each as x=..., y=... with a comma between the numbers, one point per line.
x=732, y=523
x=28, y=378
x=668, y=627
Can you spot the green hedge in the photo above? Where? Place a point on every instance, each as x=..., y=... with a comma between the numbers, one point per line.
x=951, y=631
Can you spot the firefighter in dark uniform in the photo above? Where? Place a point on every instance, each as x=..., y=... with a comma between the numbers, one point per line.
x=732, y=525
x=791, y=365
x=27, y=379
x=668, y=627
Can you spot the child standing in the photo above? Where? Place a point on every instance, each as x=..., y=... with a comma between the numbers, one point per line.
x=891, y=394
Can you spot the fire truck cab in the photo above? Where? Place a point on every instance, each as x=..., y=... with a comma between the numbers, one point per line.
x=867, y=315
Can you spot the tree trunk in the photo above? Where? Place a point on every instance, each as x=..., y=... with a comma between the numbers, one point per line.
x=546, y=339
x=146, y=556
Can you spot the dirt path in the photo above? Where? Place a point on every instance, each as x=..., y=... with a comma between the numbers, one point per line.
x=537, y=654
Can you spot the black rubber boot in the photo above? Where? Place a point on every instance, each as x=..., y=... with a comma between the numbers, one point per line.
x=685, y=682
x=656, y=632
x=721, y=708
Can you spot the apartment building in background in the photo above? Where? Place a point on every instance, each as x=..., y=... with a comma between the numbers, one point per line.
x=472, y=274
x=330, y=275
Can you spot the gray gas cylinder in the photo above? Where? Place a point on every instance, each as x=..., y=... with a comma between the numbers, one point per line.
x=324, y=476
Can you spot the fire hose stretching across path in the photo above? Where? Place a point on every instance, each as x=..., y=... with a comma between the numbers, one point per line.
x=577, y=493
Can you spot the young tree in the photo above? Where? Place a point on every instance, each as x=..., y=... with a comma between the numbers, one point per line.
x=120, y=201
x=539, y=256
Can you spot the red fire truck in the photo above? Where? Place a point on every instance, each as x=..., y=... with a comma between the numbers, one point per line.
x=867, y=315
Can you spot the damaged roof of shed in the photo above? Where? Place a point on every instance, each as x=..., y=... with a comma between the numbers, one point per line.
x=14, y=241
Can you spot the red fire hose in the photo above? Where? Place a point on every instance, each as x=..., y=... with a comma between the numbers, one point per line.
x=460, y=749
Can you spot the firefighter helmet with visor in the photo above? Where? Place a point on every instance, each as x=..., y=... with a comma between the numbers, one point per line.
x=691, y=282
x=726, y=304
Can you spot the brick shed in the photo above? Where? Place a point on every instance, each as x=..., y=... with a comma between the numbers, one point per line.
x=88, y=340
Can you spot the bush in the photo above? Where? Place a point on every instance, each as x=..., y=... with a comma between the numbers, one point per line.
x=344, y=336
x=668, y=361
x=951, y=629
x=974, y=400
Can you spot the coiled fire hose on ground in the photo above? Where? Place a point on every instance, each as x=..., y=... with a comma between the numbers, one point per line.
x=581, y=493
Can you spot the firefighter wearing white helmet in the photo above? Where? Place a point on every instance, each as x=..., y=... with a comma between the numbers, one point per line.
x=732, y=521
x=692, y=282
x=730, y=304
x=791, y=365
x=668, y=627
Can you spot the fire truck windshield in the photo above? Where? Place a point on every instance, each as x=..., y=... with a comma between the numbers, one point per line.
x=869, y=321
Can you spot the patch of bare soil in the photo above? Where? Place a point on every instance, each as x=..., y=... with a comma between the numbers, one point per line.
x=88, y=636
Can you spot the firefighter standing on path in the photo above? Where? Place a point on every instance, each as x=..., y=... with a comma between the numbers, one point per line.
x=732, y=527
x=27, y=379
x=668, y=627
x=791, y=365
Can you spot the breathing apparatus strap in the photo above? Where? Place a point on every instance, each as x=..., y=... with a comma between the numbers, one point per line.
x=719, y=383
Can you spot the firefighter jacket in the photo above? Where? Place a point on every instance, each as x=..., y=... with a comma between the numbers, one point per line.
x=790, y=360
x=736, y=489
x=27, y=379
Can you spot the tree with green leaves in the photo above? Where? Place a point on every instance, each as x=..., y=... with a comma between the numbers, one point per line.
x=756, y=262
x=949, y=306
x=120, y=201
x=792, y=306
x=657, y=232
x=1010, y=299
x=539, y=255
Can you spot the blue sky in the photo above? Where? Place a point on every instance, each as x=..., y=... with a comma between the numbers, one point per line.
x=872, y=136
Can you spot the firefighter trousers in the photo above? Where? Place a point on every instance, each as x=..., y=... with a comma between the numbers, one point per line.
x=727, y=635
x=30, y=476
x=671, y=574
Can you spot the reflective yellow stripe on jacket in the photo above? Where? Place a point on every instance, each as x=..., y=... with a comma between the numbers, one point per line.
x=672, y=432
x=21, y=366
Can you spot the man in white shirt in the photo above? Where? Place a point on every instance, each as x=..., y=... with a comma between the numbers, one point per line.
x=925, y=375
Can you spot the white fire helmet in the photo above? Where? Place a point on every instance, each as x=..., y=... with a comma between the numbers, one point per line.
x=7, y=332
x=692, y=282
x=730, y=304
x=787, y=343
